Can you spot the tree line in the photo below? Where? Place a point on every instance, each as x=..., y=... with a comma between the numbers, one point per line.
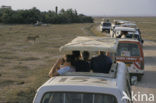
x=30, y=16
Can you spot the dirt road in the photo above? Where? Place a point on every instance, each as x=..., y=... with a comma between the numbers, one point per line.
x=148, y=83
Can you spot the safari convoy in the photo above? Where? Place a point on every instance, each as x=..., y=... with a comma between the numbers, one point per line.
x=106, y=80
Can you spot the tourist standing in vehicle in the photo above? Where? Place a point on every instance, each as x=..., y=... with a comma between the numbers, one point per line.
x=81, y=65
x=62, y=66
x=85, y=61
x=85, y=56
x=123, y=34
x=76, y=55
x=101, y=63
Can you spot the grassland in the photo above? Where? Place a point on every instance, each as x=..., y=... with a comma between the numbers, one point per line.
x=24, y=65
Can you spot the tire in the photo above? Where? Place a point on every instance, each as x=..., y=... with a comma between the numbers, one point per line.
x=139, y=77
x=106, y=31
x=132, y=81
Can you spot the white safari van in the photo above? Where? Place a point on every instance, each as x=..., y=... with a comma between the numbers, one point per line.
x=85, y=88
x=132, y=33
x=105, y=27
x=88, y=87
x=131, y=53
x=117, y=31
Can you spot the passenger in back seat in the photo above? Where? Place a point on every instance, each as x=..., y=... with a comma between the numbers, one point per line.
x=62, y=67
x=123, y=34
x=81, y=64
x=101, y=63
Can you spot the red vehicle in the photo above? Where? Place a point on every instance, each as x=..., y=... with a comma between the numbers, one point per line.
x=131, y=53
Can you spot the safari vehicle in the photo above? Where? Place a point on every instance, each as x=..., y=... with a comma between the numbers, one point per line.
x=88, y=87
x=131, y=33
x=136, y=34
x=119, y=23
x=130, y=51
x=132, y=25
x=105, y=27
x=116, y=31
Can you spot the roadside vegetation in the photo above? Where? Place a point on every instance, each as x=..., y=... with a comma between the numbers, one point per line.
x=30, y=16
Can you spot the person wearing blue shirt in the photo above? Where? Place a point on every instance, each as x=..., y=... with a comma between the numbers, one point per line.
x=62, y=66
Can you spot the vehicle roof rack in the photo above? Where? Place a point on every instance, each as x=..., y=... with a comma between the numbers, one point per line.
x=125, y=29
x=91, y=43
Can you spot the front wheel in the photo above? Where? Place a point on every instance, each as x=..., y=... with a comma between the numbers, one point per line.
x=134, y=78
x=139, y=77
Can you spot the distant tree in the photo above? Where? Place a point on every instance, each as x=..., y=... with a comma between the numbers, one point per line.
x=56, y=9
x=7, y=15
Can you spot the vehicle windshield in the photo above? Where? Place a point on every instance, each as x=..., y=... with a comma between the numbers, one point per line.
x=128, y=49
x=62, y=97
x=106, y=24
x=133, y=36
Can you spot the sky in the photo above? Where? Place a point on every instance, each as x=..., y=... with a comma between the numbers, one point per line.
x=90, y=7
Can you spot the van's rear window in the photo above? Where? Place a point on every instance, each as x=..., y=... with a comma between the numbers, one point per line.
x=106, y=24
x=70, y=97
x=128, y=49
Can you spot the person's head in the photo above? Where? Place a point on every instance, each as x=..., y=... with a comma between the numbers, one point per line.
x=69, y=58
x=123, y=36
x=124, y=32
x=102, y=53
x=76, y=54
x=85, y=55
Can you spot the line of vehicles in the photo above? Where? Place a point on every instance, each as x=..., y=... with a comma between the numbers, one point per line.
x=89, y=87
x=130, y=50
x=118, y=26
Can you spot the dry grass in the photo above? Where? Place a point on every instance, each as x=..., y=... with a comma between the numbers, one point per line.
x=24, y=65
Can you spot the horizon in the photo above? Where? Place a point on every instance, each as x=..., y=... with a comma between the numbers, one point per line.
x=111, y=16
